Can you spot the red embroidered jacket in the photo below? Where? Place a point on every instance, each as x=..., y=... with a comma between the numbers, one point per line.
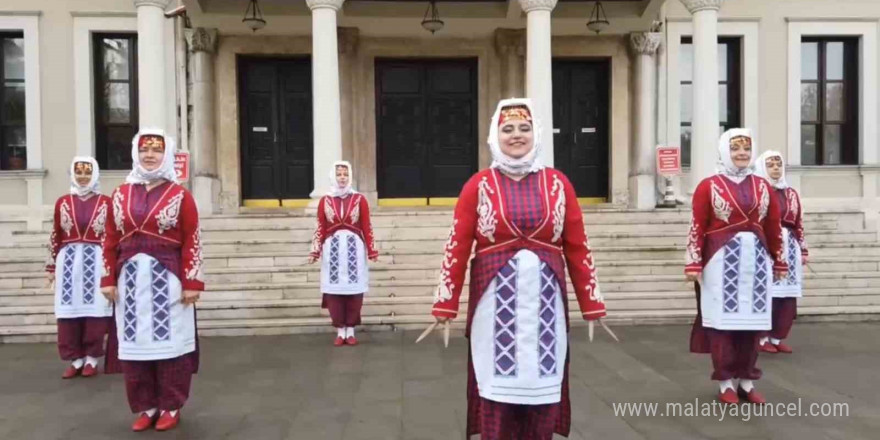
x=718, y=217
x=66, y=228
x=480, y=217
x=351, y=213
x=792, y=214
x=174, y=219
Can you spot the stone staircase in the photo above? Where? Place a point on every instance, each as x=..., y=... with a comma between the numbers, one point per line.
x=258, y=281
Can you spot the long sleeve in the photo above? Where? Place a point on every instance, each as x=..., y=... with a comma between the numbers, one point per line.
x=54, y=240
x=799, y=224
x=772, y=226
x=191, y=250
x=366, y=225
x=110, y=241
x=579, y=258
x=456, y=253
x=700, y=216
x=320, y=230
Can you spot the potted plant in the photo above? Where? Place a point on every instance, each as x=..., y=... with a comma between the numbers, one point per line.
x=17, y=159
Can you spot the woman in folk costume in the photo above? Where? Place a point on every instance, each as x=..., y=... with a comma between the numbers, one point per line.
x=734, y=252
x=528, y=226
x=153, y=272
x=344, y=238
x=786, y=291
x=76, y=257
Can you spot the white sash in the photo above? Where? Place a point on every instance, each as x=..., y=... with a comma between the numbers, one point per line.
x=78, y=282
x=151, y=322
x=518, y=337
x=344, y=269
x=735, y=286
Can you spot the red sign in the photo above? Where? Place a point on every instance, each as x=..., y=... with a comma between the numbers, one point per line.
x=181, y=166
x=668, y=161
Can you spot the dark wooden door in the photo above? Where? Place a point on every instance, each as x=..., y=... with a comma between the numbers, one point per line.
x=426, y=127
x=580, y=114
x=276, y=128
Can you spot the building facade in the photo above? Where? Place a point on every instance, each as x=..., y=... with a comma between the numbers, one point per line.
x=264, y=113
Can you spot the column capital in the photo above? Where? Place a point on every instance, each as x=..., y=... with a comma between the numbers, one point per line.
x=694, y=6
x=645, y=43
x=335, y=5
x=162, y=4
x=537, y=5
x=201, y=40
x=510, y=41
x=347, y=39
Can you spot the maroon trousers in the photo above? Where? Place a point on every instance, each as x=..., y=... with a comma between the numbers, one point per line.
x=734, y=354
x=161, y=384
x=784, y=312
x=345, y=310
x=506, y=421
x=81, y=337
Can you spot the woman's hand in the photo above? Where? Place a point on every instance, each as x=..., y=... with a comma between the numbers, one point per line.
x=190, y=296
x=50, y=279
x=692, y=277
x=778, y=275
x=312, y=260
x=374, y=259
x=439, y=320
x=805, y=260
x=109, y=292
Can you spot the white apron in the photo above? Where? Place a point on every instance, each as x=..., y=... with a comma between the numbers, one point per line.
x=78, y=283
x=344, y=269
x=518, y=336
x=735, y=286
x=792, y=285
x=151, y=322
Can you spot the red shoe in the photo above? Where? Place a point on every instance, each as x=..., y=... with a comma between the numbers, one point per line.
x=768, y=348
x=752, y=396
x=728, y=397
x=143, y=422
x=167, y=421
x=89, y=371
x=351, y=340
x=782, y=347
x=339, y=342
x=70, y=372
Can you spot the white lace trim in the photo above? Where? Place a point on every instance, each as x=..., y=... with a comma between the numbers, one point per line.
x=100, y=223
x=195, y=270
x=693, y=252
x=446, y=286
x=765, y=201
x=66, y=218
x=118, y=215
x=558, y=208
x=722, y=207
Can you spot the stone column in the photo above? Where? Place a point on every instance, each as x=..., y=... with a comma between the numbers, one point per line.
x=326, y=114
x=539, y=67
x=510, y=45
x=642, y=175
x=205, y=184
x=706, y=119
x=151, y=62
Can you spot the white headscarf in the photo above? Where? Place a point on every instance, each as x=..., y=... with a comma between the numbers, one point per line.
x=94, y=185
x=761, y=169
x=529, y=163
x=341, y=191
x=725, y=163
x=139, y=175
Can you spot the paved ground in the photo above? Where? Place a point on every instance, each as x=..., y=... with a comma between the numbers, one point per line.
x=299, y=387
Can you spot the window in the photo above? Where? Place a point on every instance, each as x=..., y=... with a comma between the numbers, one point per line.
x=829, y=101
x=116, y=98
x=13, y=141
x=729, y=113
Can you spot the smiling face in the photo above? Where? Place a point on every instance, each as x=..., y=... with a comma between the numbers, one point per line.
x=82, y=173
x=151, y=152
x=774, y=167
x=516, y=136
x=342, y=176
x=741, y=151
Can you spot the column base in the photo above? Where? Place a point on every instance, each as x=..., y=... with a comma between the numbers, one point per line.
x=643, y=191
x=206, y=191
x=35, y=216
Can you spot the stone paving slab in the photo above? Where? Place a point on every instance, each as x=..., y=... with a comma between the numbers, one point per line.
x=299, y=387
